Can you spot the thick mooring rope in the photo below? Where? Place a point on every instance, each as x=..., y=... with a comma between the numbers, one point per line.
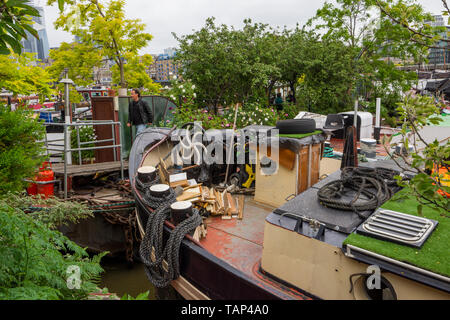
x=142, y=186
x=153, y=238
x=376, y=184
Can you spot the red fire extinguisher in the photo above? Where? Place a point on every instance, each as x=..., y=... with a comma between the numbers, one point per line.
x=45, y=174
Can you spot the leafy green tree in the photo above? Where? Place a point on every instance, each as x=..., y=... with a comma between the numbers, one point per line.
x=326, y=81
x=20, y=75
x=429, y=160
x=105, y=27
x=375, y=42
x=78, y=58
x=21, y=153
x=135, y=74
x=226, y=65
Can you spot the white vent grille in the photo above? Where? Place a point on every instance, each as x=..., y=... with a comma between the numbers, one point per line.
x=398, y=227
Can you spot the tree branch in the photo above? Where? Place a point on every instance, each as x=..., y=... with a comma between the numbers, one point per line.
x=405, y=25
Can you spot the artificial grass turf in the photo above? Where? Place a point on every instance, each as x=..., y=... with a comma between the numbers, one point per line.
x=434, y=254
x=299, y=135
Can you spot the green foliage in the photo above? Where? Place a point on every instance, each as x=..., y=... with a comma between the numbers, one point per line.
x=141, y=296
x=181, y=91
x=50, y=211
x=79, y=59
x=103, y=25
x=372, y=43
x=428, y=184
x=86, y=134
x=249, y=114
x=20, y=75
x=15, y=20
x=20, y=152
x=227, y=66
x=327, y=77
x=35, y=260
x=135, y=74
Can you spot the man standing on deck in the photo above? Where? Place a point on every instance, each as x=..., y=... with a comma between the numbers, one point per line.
x=139, y=113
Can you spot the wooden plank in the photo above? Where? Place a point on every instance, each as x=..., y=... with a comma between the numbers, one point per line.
x=232, y=209
x=225, y=202
x=241, y=201
x=163, y=173
x=182, y=183
x=88, y=169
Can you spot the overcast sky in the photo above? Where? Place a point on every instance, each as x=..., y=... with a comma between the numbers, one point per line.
x=185, y=16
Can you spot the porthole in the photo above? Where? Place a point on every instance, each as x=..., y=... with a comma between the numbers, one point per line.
x=363, y=292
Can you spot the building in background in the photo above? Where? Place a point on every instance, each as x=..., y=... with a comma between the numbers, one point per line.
x=439, y=55
x=164, y=67
x=39, y=46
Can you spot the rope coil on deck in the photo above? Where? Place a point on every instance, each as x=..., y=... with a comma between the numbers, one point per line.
x=142, y=186
x=153, y=240
x=376, y=184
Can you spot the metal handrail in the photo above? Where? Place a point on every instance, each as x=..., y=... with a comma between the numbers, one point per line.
x=66, y=149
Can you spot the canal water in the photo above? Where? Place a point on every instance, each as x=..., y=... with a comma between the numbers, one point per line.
x=122, y=278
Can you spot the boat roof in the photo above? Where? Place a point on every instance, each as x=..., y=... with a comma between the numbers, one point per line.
x=430, y=263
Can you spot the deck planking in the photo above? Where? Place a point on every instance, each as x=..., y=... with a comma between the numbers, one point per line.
x=88, y=169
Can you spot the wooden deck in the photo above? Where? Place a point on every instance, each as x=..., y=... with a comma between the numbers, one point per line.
x=88, y=169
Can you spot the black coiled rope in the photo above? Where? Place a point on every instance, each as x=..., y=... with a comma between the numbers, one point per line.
x=143, y=186
x=377, y=185
x=153, y=240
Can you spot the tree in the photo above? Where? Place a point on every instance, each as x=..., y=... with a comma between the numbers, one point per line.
x=21, y=153
x=135, y=74
x=105, y=27
x=429, y=160
x=326, y=81
x=15, y=20
x=78, y=58
x=20, y=75
x=226, y=65
x=375, y=41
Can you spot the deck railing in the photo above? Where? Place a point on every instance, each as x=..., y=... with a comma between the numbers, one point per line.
x=67, y=149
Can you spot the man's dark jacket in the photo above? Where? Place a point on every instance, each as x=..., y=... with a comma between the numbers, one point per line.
x=139, y=112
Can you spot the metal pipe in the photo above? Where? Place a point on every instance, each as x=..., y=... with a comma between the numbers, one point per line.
x=80, y=162
x=96, y=148
x=309, y=164
x=114, y=142
x=377, y=129
x=65, y=162
x=399, y=263
x=85, y=123
x=96, y=141
x=121, y=151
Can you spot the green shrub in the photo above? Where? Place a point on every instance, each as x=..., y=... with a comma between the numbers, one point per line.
x=20, y=152
x=249, y=114
x=87, y=134
x=36, y=261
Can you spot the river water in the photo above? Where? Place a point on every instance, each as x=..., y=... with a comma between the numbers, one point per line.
x=121, y=278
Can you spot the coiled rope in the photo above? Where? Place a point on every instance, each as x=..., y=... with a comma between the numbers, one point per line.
x=142, y=186
x=375, y=184
x=153, y=240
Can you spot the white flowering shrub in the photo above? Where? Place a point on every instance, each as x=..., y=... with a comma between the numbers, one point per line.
x=87, y=134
